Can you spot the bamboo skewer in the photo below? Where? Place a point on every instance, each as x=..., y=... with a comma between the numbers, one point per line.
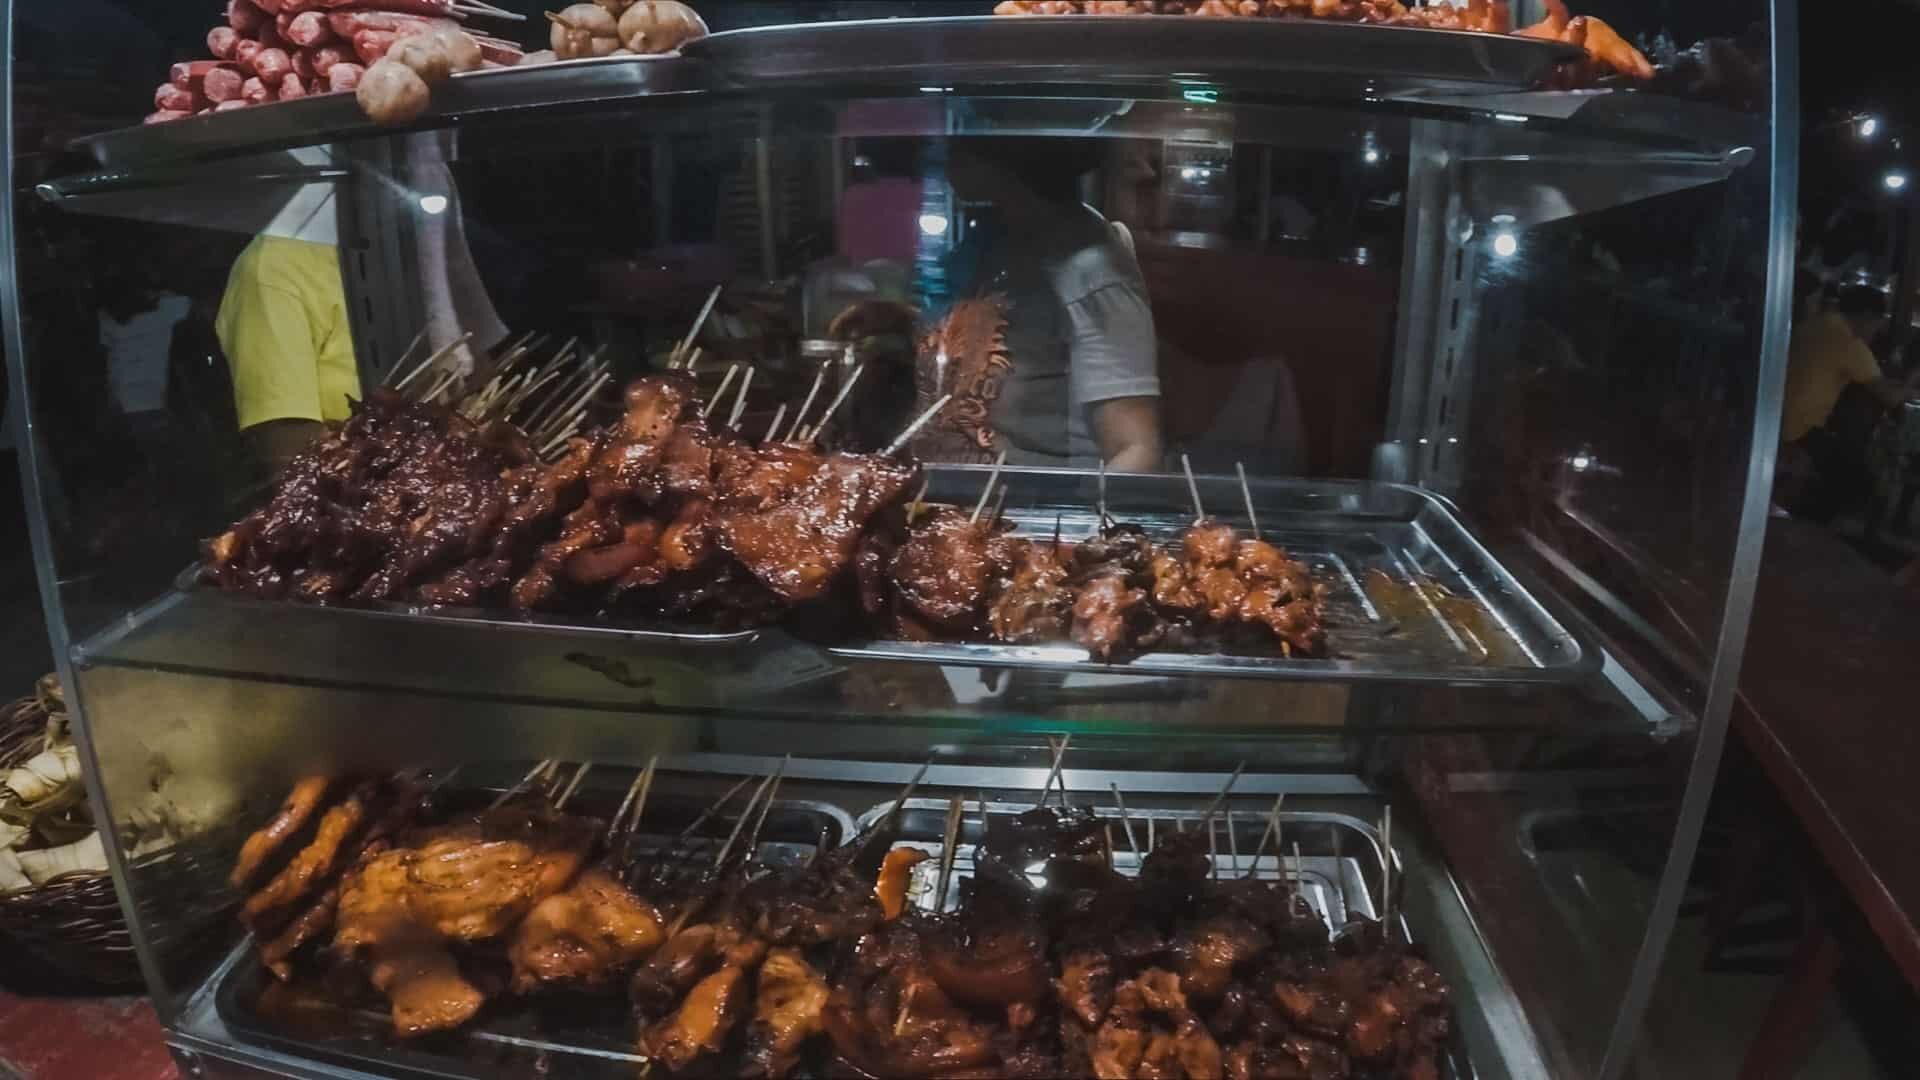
x=733, y=837
x=732, y=370
x=753, y=839
x=838, y=400
x=1213, y=849
x=418, y=340
x=914, y=428
x=919, y=501
x=740, y=403
x=1059, y=757
x=1253, y=520
x=572, y=785
x=1299, y=869
x=1272, y=831
x=1101, y=527
x=774, y=428
x=1233, y=846
x=1193, y=488
x=900, y=803
x=1225, y=789
x=992, y=478
x=636, y=800
x=687, y=343
x=516, y=789
x=800, y=418
x=1386, y=872
x=949, y=841
x=1125, y=823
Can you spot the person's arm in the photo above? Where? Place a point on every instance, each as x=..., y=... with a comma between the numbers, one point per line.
x=1116, y=376
x=1128, y=431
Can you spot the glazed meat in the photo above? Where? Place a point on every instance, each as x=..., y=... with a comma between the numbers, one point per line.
x=583, y=936
x=942, y=572
x=306, y=798
x=406, y=960
x=800, y=546
x=626, y=465
x=788, y=999
x=1031, y=602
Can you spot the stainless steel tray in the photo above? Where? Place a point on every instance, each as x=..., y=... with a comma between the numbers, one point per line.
x=574, y=1035
x=655, y=631
x=1415, y=597
x=328, y=117
x=1252, y=53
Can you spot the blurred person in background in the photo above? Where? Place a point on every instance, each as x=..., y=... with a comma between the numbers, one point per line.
x=1823, y=468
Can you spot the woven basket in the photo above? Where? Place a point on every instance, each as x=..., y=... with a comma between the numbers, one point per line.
x=72, y=923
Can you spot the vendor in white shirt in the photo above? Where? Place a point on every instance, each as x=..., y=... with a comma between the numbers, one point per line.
x=1084, y=387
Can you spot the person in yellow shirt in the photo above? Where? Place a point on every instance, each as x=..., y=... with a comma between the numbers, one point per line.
x=1828, y=353
x=283, y=325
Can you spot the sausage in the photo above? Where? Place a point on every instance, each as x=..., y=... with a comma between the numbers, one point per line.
x=244, y=52
x=291, y=87
x=372, y=46
x=345, y=77
x=348, y=23
x=255, y=92
x=221, y=41
x=223, y=84
x=326, y=56
x=272, y=65
x=191, y=73
x=164, y=115
x=305, y=30
x=244, y=17
x=170, y=98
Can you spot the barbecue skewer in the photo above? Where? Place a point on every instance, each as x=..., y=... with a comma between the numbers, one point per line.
x=900, y=803
x=418, y=340
x=914, y=428
x=1193, y=489
x=1225, y=790
x=774, y=428
x=1272, y=831
x=732, y=370
x=572, y=785
x=636, y=800
x=992, y=478
x=1126, y=824
x=1101, y=502
x=1253, y=520
x=1299, y=870
x=949, y=840
x=1233, y=846
x=1213, y=849
x=1386, y=872
x=1059, y=757
x=687, y=343
x=800, y=418
x=813, y=433
x=740, y=403
x=507, y=795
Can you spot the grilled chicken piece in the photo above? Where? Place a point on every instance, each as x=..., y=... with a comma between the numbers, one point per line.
x=407, y=961
x=1032, y=601
x=800, y=546
x=942, y=572
x=787, y=1004
x=584, y=936
x=301, y=804
x=702, y=1022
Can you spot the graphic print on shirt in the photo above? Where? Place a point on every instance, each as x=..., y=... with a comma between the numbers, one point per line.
x=966, y=356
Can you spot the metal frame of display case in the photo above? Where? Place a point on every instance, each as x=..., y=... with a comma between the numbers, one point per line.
x=1434, y=344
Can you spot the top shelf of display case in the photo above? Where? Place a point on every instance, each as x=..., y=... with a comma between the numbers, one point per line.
x=1203, y=62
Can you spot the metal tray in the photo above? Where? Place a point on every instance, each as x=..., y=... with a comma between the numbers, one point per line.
x=1254, y=53
x=1416, y=598
x=656, y=631
x=328, y=117
x=575, y=1035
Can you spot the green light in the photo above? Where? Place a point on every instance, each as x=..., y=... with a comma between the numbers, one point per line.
x=1204, y=95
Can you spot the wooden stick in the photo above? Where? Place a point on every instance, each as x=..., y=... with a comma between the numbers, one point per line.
x=949, y=842
x=1059, y=757
x=1253, y=519
x=694, y=360
x=732, y=370
x=774, y=428
x=919, y=500
x=992, y=478
x=1299, y=868
x=753, y=839
x=999, y=504
x=1386, y=871
x=718, y=804
x=636, y=798
x=516, y=789
x=1125, y=823
x=914, y=428
x=800, y=418
x=900, y=803
x=732, y=837
x=572, y=785
x=740, y=403
x=1199, y=511
x=1233, y=845
x=418, y=340
x=1224, y=790
x=687, y=343
x=1150, y=836
x=1102, y=504
x=839, y=399
x=1213, y=849
x=1271, y=831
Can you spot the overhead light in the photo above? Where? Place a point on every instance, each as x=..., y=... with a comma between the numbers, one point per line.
x=1189, y=173
x=1505, y=244
x=1895, y=180
x=1867, y=126
x=1371, y=157
x=433, y=204
x=1581, y=462
x=933, y=224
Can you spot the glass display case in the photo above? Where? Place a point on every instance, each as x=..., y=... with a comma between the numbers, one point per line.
x=937, y=351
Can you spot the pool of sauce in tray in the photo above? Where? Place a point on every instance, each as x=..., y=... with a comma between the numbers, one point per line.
x=1407, y=610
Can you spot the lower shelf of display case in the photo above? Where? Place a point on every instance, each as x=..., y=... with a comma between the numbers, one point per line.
x=228, y=1026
